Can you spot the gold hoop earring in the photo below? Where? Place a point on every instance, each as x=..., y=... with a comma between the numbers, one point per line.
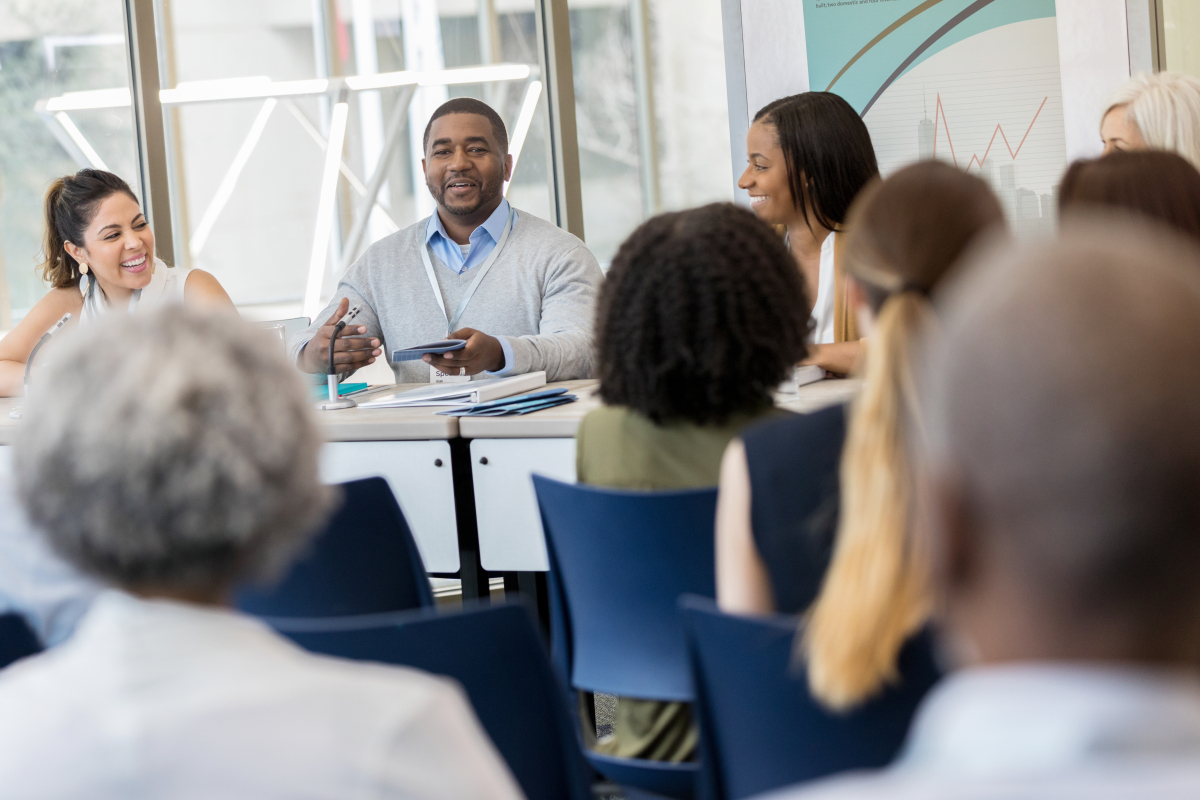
x=83, y=268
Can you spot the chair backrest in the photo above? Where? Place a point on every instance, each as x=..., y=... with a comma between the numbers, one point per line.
x=621, y=560
x=17, y=639
x=365, y=561
x=497, y=655
x=291, y=326
x=760, y=729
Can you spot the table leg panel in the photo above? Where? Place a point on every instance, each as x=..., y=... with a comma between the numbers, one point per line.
x=420, y=475
x=510, y=527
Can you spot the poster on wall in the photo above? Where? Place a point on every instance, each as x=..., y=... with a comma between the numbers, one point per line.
x=973, y=82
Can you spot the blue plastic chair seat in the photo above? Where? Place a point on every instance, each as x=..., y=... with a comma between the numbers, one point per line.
x=656, y=777
x=365, y=561
x=619, y=560
x=17, y=639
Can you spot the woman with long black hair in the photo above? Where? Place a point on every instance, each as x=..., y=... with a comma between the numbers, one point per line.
x=808, y=157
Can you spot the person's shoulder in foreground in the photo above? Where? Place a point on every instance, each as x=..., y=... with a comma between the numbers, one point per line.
x=1063, y=531
x=1042, y=731
x=184, y=701
x=192, y=468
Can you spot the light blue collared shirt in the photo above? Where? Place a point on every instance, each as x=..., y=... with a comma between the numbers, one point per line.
x=483, y=241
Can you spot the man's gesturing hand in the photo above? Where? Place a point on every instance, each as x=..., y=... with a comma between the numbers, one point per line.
x=483, y=353
x=350, y=352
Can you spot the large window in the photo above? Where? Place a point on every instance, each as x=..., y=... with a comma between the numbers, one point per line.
x=257, y=199
x=650, y=109
x=1181, y=34
x=64, y=104
x=253, y=94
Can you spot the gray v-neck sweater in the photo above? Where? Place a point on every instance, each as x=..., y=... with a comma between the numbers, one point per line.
x=540, y=294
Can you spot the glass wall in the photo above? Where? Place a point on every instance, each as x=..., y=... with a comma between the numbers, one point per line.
x=683, y=81
x=251, y=94
x=251, y=196
x=72, y=51
x=1181, y=33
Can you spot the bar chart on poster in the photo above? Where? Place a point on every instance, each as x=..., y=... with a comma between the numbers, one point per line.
x=976, y=84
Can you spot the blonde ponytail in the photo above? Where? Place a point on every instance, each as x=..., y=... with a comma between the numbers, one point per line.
x=875, y=594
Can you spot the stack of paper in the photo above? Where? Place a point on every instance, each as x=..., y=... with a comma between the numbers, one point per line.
x=801, y=376
x=458, y=394
x=521, y=404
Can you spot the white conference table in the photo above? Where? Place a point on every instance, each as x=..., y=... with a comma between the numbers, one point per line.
x=411, y=449
x=464, y=483
x=506, y=451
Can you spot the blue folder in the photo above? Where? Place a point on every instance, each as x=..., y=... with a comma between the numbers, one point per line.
x=517, y=404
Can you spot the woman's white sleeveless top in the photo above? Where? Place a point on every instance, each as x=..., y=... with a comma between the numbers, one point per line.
x=165, y=287
x=822, y=313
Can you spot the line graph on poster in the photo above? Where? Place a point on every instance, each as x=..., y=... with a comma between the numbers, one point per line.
x=939, y=114
x=1004, y=125
x=990, y=104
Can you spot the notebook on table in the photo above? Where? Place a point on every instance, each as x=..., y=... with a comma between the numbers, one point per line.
x=458, y=394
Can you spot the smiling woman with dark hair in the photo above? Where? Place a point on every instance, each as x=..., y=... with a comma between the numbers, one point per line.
x=808, y=156
x=99, y=257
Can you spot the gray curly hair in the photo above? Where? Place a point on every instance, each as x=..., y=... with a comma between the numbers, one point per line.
x=171, y=451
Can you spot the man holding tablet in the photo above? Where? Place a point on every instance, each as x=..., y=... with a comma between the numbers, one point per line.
x=519, y=291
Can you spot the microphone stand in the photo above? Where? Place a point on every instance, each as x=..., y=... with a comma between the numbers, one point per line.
x=335, y=403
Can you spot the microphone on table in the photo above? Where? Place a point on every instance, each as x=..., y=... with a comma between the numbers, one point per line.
x=334, y=403
x=58, y=326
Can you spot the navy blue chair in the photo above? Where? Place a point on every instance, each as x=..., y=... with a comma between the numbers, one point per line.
x=497, y=655
x=17, y=640
x=619, y=560
x=364, y=562
x=760, y=729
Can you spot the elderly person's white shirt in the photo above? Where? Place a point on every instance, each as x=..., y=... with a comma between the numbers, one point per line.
x=153, y=698
x=1037, y=732
x=48, y=592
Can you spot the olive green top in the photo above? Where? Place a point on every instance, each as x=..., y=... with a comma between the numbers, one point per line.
x=622, y=449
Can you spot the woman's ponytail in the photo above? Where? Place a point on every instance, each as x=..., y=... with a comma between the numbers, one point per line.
x=57, y=266
x=876, y=592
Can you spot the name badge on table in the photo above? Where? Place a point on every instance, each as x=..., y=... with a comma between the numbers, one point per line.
x=437, y=376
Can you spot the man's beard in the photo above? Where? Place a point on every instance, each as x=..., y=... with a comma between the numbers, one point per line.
x=487, y=194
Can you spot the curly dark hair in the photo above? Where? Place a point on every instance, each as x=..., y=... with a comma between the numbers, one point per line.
x=703, y=313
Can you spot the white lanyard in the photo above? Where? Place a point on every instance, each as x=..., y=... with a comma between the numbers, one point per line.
x=452, y=324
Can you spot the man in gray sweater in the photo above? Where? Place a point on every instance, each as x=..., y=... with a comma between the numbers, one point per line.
x=519, y=290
